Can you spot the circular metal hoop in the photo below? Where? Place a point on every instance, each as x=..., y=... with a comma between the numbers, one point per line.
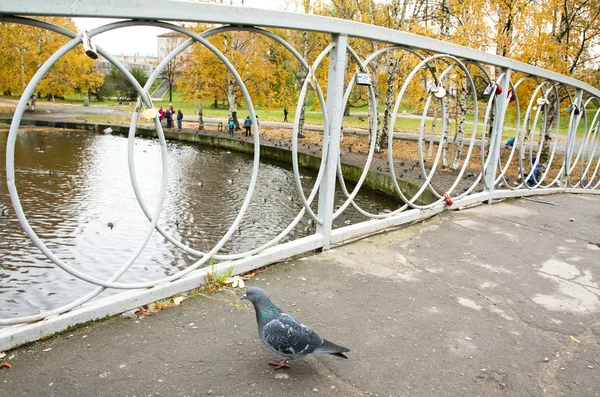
x=14, y=195
x=429, y=176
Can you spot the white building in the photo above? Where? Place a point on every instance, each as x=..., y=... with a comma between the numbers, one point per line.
x=145, y=62
x=167, y=42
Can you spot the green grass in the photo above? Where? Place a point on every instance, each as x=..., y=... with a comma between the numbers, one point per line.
x=215, y=278
x=358, y=120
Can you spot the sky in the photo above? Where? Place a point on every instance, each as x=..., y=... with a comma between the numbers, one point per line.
x=142, y=40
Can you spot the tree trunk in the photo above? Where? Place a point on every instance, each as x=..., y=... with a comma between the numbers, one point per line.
x=231, y=84
x=23, y=84
x=388, y=123
x=379, y=145
x=347, y=109
x=462, y=114
x=445, y=140
x=549, y=126
x=303, y=75
x=432, y=136
x=504, y=33
x=444, y=152
x=232, y=98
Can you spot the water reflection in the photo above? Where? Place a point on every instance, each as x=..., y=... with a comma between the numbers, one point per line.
x=74, y=185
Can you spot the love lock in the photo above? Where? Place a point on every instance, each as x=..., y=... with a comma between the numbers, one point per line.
x=440, y=93
x=448, y=199
x=498, y=89
x=88, y=46
x=542, y=101
x=150, y=113
x=572, y=109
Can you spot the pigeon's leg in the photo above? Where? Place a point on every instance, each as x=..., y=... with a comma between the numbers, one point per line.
x=283, y=362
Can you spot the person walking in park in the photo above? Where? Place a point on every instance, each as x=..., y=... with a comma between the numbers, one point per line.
x=285, y=113
x=179, y=119
x=231, y=126
x=169, y=117
x=247, y=126
x=161, y=114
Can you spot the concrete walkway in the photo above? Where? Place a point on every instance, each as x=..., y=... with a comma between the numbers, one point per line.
x=494, y=300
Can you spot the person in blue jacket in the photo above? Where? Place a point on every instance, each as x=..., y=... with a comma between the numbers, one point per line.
x=231, y=126
x=248, y=126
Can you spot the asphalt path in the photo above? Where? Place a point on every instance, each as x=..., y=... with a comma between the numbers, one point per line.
x=495, y=300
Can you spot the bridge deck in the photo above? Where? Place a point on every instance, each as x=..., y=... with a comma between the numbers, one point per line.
x=496, y=298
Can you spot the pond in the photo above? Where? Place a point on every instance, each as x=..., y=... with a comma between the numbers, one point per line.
x=74, y=184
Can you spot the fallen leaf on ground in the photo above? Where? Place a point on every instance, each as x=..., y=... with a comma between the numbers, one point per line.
x=235, y=281
x=145, y=310
x=178, y=299
x=254, y=272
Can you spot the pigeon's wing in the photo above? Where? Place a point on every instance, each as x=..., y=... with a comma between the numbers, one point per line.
x=290, y=337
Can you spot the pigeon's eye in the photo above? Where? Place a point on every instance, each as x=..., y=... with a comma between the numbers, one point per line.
x=250, y=293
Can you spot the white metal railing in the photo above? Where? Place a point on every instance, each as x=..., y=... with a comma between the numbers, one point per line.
x=535, y=88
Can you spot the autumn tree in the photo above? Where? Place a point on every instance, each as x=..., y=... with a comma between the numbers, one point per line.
x=24, y=49
x=568, y=33
x=309, y=45
x=258, y=60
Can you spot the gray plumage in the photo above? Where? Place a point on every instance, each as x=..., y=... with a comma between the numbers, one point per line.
x=285, y=335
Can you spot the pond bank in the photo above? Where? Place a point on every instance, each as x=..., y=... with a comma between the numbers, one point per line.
x=273, y=149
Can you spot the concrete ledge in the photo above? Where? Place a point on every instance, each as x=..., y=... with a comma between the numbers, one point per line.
x=17, y=335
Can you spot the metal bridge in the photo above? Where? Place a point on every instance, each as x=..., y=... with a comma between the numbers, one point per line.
x=571, y=169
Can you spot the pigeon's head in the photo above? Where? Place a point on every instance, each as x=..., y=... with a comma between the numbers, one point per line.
x=255, y=295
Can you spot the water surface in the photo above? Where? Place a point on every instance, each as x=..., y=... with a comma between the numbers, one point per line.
x=73, y=184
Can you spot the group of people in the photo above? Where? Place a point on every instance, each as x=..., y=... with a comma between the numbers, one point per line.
x=231, y=125
x=169, y=115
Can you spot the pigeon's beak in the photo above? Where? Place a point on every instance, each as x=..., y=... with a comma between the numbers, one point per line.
x=244, y=297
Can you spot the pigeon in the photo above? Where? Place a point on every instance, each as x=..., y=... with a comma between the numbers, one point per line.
x=285, y=335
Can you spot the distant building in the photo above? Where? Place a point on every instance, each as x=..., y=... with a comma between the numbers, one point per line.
x=145, y=62
x=167, y=42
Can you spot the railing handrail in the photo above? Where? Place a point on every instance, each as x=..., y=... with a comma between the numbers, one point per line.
x=236, y=15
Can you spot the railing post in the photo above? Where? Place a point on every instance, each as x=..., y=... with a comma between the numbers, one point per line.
x=501, y=104
x=572, y=134
x=335, y=92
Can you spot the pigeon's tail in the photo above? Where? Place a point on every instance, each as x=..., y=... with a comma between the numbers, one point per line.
x=331, y=348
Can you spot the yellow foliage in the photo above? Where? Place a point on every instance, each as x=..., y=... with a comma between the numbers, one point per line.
x=260, y=62
x=24, y=49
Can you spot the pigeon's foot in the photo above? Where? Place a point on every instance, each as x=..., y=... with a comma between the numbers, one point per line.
x=281, y=363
